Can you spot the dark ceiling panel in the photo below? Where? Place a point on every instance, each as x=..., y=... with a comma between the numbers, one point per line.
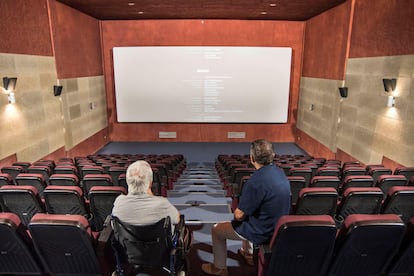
x=295, y=10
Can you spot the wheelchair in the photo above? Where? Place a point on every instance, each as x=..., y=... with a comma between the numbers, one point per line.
x=151, y=249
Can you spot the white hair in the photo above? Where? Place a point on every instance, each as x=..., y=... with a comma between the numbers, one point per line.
x=139, y=177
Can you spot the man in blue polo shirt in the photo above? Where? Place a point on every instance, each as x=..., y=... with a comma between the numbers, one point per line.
x=265, y=197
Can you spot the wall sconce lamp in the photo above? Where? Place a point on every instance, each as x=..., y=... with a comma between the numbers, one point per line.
x=343, y=91
x=9, y=85
x=389, y=84
x=57, y=90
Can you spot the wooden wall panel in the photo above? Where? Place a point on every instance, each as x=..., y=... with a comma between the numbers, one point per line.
x=312, y=146
x=382, y=28
x=327, y=43
x=90, y=145
x=77, y=42
x=8, y=161
x=388, y=163
x=202, y=33
x=56, y=155
x=25, y=27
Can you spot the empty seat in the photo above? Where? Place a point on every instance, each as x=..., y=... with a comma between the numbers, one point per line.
x=65, y=200
x=403, y=262
x=386, y=181
x=348, y=171
x=325, y=181
x=5, y=179
x=302, y=171
x=297, y=183
x=44, y=170
x=316, y=201
x=64, y=180
x=101, y=202
x=33, y=179
x=24, y=165
x=91, y=180
x=66, y=169
x=359, y=200
x=17, y=253
x=357, y=181
x=65, y=244
x=400, y=201
x=24, y=201
x=366, y=244
x=408, y=172
x=115, y=171
x=328, y=171
x=90, y=169
x=13, y=171
x=375, y=172
x=301, y=245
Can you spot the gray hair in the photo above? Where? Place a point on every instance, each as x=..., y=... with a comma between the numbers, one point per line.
x=139, y=177
x=262, y=152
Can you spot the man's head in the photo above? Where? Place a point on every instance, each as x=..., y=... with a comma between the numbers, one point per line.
x=261, y=152
x=139, y=177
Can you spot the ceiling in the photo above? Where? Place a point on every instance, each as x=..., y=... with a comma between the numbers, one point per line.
x=293, y=10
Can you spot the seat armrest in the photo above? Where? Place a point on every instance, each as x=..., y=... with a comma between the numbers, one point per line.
x=264, y=253
x=106, y=232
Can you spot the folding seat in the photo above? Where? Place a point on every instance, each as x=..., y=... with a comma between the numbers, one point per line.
x=49, y=163
x=65, y=200
x=114, y=172
x=357, y=181
x=366, y=244
x=333, y=162
x=403, y=262
x=302, y=171
x=301, y=245
x=17, y=253
x=91, y=180
x=351, y=164
x=58, y=179
x=66, y=169
x=399, y=201
x=5, y=179
x=24, y=201
x=13, y=171
x=24, y=165
x=101, y=201
x=235, y=183
x=359, y=200
x=151, y=249
x=375, y=172
x=64, y=244
x=46, y=171
x=163, y=175
x=408, y=172
x=286, y=167
x=297, y=183
x=90, y=169
x=312, y=166
x=316, y=201
x=32, y=179
x=328, y=171
x=325, y=181
x=386, y=181
x=348, y=171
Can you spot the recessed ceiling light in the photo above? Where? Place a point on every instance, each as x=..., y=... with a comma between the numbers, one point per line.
x=131, y=4
x=263, y=13
x=140, y=12
x=272, y=4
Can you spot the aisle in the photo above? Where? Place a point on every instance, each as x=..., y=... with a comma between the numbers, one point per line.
x=198, y=194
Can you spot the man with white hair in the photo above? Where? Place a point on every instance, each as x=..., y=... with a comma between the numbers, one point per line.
x=140, y=206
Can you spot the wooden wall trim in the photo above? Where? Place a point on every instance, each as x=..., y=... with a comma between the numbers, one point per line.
x=312, y=146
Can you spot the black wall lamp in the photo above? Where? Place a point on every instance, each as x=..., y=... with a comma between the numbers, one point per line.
x=57, y=90
x=343, y=91
x=9, y=85
x=389, y=84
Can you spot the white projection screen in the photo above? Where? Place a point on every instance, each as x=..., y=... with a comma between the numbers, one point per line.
x=198, y=84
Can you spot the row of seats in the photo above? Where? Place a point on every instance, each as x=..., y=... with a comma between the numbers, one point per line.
x=364, y=245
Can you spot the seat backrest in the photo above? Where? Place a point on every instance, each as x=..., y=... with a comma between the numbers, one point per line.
x=325, y=181
x=301, y=245
x=66, y=169
x=360, y=200
x=64, y=244
x=317, y=201
x=101, y=201
x=17, y=253
x=115, y=171
x=91, y=180
x=5, y=179
x=347, y=171
x=65, y=200
x=63, y=179
x=302, y=171
x=297, y=183
x=375, y=172
x=408, y=172
x=328, y=171
x=24, y=201
x=44, y=170
x=32, y=179
x=147, y=245
x=386, y=181
x=366, y=244
x=400, y=201
x=13, y=171
x=90, y=169
x=357, y=181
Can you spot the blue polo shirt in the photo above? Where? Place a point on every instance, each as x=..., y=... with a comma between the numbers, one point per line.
x=265, y=197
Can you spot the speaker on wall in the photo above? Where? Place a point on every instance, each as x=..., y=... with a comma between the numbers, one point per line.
x=343, y=91
x=57, y=90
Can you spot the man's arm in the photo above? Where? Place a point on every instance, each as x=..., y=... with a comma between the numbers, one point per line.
x=239, y=215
